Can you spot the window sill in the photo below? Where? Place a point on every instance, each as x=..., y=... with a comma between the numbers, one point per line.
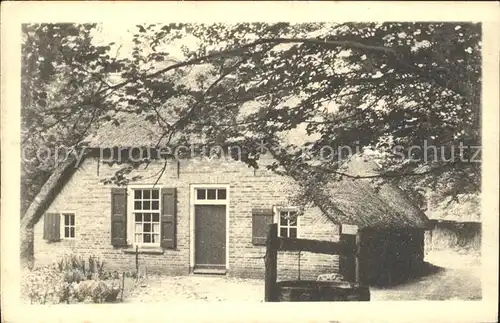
x=145, y=250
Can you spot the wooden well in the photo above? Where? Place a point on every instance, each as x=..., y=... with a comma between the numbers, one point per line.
x=317, y=291
x=311, y=290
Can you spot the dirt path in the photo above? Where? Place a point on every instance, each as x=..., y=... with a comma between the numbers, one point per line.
x=208, y=288
x=450, y=284
x=458, y=279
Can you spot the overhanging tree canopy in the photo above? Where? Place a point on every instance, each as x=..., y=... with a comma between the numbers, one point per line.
x=61, y=70
x=351, y=84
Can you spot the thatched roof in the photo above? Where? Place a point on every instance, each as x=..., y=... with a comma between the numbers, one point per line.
x=363, y=202
x=131, y=131
x=368, y=202
x=128, y=129
x=465, y=208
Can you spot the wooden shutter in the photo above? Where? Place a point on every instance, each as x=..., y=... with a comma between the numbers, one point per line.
x=52, y=227
x=261, y=218
x=47, y=224
x=168, y=218
x=119, y=216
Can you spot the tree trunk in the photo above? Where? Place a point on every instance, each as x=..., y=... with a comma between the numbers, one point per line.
x=39, y=205
x=27, y=252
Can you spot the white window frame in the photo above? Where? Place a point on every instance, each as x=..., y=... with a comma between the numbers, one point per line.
x=207, y=201
x=62, y=225
x=278, y=209
x=131, y=217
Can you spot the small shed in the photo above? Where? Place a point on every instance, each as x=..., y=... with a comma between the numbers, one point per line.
x=454, y=224
x=389, y=227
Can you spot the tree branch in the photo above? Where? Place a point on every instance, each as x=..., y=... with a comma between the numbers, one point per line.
x=243, y=48
x=392, y=174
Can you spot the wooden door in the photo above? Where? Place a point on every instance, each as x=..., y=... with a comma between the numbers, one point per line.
x=347, y=264
x=210, y=236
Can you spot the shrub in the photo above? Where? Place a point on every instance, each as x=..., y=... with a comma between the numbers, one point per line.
x=74, y=276
x=94, y=291
x=40, y=284
x=107, y=275
x=71, y=280
x=95, y=266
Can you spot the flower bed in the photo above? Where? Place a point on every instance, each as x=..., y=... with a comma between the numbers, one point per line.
x=72, y=280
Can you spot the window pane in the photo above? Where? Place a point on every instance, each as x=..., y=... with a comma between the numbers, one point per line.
x=66, y=232
x=138, y=217
x=211, y=194
x=66, y=219
x=221, y=194
x=283, y=233
x=155, y=205
x=200, y=194
x=137, y=194
x=147, y=227
x=146, y=194
x=137, y=205
x=138, y=228
x=155, y=194
x=156, y=217
x=156, y=228
x=283, y=218
x=293, y=219
x=156, y=238
x=146, y=205
x=138, y=238
x=293, y=233
x=72, y=232
x=147, y=217
x=147, y=238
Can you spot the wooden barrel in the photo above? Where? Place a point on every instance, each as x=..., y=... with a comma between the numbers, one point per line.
x=320, y=291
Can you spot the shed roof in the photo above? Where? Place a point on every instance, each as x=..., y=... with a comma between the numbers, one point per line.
x=465, y=208
x=368, y=202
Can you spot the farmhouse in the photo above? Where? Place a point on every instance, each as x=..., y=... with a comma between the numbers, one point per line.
x=210, y=216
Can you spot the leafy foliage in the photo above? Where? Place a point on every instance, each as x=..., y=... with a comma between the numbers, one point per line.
x=70, y=281
x=362, y=85
x=369, y=85
x=61, y=72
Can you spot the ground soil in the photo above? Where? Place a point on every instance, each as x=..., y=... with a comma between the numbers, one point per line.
x=457, y=278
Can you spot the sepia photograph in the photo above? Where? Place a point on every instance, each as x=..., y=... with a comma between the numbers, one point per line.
x=270, y=161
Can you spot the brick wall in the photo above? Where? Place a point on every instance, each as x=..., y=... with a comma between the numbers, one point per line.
x=89, y=199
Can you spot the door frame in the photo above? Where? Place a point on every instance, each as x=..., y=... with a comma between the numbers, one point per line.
x=193, y=202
